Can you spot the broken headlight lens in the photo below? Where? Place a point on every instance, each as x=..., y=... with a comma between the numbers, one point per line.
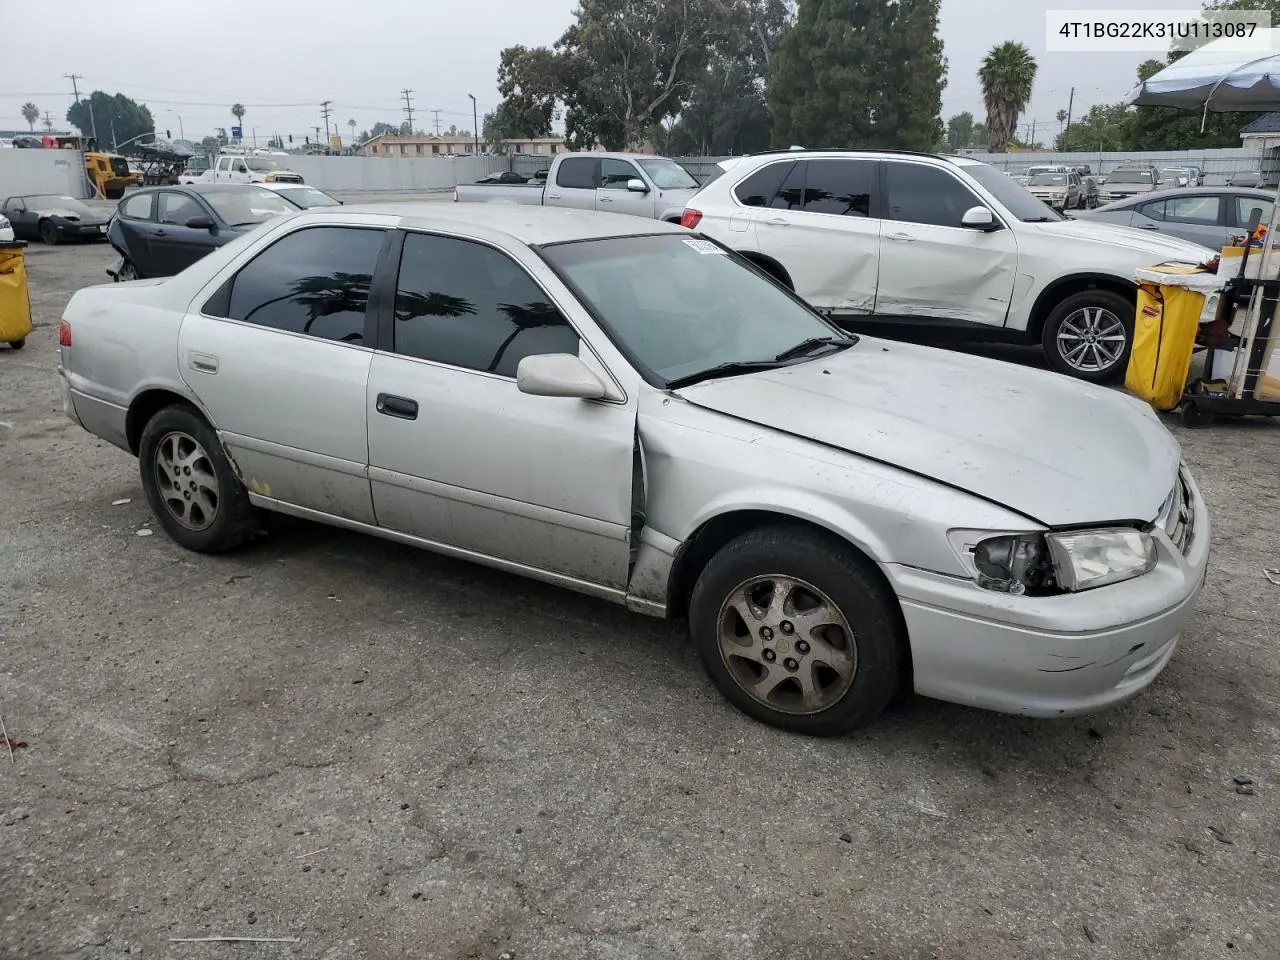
x=1094, y=558
x=1013, y=563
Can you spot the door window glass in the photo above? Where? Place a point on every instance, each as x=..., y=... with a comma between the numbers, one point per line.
x=842, y=187
x=315, y=281
x=1199, y=210
x=1245, y=206
x=137, y=207
x=790, y=195
x=1153, y=210
x=577, y=173
x=178, y=208
x=241, y=167
x=469, y=305
x=614, y=174
x=923, y=194
x=759, y=189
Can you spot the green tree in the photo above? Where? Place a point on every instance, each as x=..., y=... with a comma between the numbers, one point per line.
x=859, y=73
x=960, y=130
x=531, y=82
x=116, y=118
x=30, y=113
x=1103, y=127
x=1007, y=74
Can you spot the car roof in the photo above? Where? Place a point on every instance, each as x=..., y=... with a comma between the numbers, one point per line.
x=1252, y=192
x=200, y=188
x=529, y=224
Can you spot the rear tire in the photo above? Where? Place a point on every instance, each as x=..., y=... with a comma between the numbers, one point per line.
x=190, y=484
x=1080, y=336
x=18, y=344
x=49, y=232
x=747, y=618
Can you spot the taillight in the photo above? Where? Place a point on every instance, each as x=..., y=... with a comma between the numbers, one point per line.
x=690, y=218
x=64, y=334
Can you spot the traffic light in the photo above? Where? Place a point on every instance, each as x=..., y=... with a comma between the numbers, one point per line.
x=168, y=135
x=291, y=138
x=308, y=139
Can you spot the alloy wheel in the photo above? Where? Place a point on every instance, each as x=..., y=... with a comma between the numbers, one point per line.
x=787, y=644
x=1091, y=339
x=186, y=481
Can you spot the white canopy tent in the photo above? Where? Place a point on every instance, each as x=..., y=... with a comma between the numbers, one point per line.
x=1223, y=77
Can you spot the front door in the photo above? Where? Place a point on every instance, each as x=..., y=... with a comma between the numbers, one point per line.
x=613, y=195
x=459, y=456
x=575, y=184
x=930, y=265
x=821, y=226
x=277, y=358
x=174, y=245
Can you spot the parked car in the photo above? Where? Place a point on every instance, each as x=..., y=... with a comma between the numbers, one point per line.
x=250, y=168
x=1040, y=170
x=1089, y=184
x=6, y=230
x=936, y=246
x=1252, y=178
x=636, y=184
x=1061, y=191
x=53, y=218
x=1171, y=177
x=160, y=231
x=301, y=195
x=505, y=176
x=1209, y=216
x=1129, y=181
x=629, y=410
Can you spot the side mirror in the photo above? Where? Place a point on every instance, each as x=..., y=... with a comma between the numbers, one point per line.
x=979, y=218
x=637, y=186
x=558, y=375
x=200, y=223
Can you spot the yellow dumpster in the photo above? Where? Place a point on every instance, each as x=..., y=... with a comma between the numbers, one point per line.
x=15, y=301
x=1171, y=300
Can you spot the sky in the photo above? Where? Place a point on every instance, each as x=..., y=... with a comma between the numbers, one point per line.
x=283, y=57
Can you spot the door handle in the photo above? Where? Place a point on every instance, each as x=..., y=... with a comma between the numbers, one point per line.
x=202, y=362
x=400, y=407
x=778, y=222
x=160, y=233
x=553, y=196
x=1149, y=226
x=904, y=237
x=606, y=200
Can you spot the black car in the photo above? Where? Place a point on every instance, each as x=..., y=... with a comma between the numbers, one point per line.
x=54, y=218
x=160, y=231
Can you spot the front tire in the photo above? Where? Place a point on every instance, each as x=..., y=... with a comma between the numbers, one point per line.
x=1089, y=335
x=18, y=344
x=49, y=233
x=798, y=631
x=190, y=484
x=127, y=272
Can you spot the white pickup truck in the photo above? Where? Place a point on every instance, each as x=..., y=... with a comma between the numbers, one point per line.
x=631, y=183
x=249, y=168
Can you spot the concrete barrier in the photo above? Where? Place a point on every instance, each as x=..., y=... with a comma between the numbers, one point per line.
x=24, y=172
x=390, y=175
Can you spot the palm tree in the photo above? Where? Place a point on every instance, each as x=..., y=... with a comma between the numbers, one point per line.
x=1007, y=74
x=237, y=111
x=30, y=113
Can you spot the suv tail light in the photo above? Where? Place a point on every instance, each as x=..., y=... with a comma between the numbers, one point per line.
x=64, y=333
x=690, y=218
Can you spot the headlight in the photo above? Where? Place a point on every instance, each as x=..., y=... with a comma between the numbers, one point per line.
x=1094, y=558
x=1047, y=563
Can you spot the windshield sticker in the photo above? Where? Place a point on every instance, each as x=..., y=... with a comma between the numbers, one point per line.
x=702, y=246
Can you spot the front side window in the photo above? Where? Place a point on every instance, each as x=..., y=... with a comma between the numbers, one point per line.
x=614, y=174
x=240, y=207
x=927, y=195
x=468, y=305
x=577, y=173
x=841, y=187
x=137, y=207
x=178, y=208
x=315, y=281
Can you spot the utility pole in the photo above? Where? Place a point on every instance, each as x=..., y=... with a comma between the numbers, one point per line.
x=93, y=123
x=317, y=130
x=325, y=111
x=48, y=121
x=408, y=106
x=437, y=113
x=475, y=124
x=1032, y=141
x=1070, y=103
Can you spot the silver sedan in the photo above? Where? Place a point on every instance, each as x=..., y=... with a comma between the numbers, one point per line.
x=623, y=408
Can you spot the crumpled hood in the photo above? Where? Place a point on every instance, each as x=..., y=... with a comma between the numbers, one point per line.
x=1159, y=246
x=1056, y=450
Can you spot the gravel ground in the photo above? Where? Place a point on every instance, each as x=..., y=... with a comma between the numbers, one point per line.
x=385, y=754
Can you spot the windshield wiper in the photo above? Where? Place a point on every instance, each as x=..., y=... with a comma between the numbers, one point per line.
x=806, y=347
x=1039, y=220
x=733, y=368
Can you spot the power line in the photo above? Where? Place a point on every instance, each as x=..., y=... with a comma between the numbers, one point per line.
x=408, y=105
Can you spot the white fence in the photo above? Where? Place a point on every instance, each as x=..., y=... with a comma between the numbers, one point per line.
x=24, y=172
x=392, y=174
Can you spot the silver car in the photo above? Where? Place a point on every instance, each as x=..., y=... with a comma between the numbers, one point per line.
x=624, y=408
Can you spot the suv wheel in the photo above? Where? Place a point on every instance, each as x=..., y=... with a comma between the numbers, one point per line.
x=1089, y=335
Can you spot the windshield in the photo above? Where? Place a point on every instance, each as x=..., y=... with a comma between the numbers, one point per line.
x=1049, y=180
x=261, y=164
x=70, y=204
x=1012, y=195
x=668, y=175
x=707, y=308
x=308, y=197
x=243, y=207
x=1131, y=176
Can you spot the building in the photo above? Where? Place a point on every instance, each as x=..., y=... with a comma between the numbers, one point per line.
x=1263, y=134
x=429, y=145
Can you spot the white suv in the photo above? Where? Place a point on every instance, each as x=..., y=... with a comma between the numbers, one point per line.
x=886, y=239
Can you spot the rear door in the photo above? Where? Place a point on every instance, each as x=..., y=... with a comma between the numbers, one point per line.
x=930, y=265
x=174, y=245
x=575, y=183
x=278, y=358
x=613, y=195
x=821, y=226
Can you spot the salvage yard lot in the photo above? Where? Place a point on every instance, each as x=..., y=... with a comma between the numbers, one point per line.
x=386, y=754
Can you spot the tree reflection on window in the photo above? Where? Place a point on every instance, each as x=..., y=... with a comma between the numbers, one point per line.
x=325, y=296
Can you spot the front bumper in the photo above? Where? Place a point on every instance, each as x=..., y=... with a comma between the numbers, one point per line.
x=1052, y=656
